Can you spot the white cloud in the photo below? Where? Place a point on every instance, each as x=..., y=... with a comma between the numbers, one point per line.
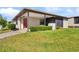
x=73, y=12
x=77, y=10
x=64, y=11
x=69, y=10
x=9, y=12
x=52, y=10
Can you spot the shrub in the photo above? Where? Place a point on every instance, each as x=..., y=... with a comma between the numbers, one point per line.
x=11, y=26
x=40, y=28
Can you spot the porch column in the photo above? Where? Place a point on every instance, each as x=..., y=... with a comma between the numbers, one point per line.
x=65, y=23
x=28, y=21
x=44, y=19
x=21, y=22
x=18, y=23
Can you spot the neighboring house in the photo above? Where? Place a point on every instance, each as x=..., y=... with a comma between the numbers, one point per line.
x=29, y=17
x=73, y=22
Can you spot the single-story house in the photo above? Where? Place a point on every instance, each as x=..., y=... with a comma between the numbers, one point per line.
x=29, y=17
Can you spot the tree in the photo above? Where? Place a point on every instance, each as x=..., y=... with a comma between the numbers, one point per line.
x=3, y=21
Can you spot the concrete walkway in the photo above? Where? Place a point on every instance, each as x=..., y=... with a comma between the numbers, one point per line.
x=4, y=35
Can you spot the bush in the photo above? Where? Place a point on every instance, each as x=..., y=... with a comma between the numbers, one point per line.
x=40, y=28
x=11, y=26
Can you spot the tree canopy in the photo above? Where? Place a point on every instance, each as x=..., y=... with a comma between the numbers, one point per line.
x=3, y=21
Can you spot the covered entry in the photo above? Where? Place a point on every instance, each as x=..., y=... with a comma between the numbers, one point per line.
x=59, y=22
x=56, y=20
x=25, y=23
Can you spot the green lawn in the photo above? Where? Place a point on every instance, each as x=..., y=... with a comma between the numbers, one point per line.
x=44, y=41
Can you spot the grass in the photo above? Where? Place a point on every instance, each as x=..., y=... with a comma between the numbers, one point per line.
x=62, y=40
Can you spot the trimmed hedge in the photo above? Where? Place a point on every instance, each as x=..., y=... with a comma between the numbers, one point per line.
x=40, y=28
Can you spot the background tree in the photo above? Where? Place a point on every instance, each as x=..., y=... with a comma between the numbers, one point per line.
x=3, y=21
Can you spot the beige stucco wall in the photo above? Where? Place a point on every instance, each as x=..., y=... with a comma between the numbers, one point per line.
x=34, y=21
x=71, y=22
x=21, y=23
x=65, y=23
x=18, y=24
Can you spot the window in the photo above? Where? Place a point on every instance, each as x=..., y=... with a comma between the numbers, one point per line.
x=76, y=20
x=42, y=22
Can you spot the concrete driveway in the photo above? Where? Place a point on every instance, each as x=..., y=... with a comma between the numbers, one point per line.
x=4, y=35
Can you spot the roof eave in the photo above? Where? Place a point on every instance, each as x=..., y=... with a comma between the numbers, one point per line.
x=31, y=10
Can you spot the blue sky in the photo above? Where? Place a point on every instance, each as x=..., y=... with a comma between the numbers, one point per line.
x=10, y=12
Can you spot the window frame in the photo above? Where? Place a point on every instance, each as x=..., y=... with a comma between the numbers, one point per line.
x=41, y=21
x=76, y=20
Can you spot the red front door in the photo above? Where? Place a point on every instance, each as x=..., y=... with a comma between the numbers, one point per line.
x=25, y=23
